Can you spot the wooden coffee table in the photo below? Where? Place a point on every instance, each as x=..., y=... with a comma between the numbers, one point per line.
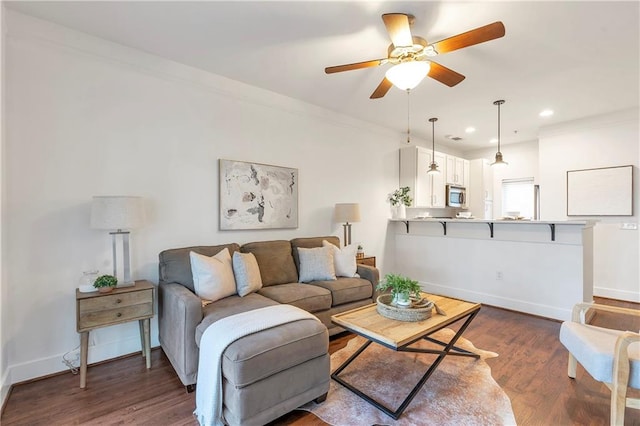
x=399, y=335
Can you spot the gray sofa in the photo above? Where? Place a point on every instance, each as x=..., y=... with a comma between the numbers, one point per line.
x=182, y=319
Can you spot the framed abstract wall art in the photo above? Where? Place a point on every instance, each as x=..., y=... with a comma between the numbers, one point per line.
x=257, y=196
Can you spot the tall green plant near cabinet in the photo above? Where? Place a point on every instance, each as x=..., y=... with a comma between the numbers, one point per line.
x=428, y=189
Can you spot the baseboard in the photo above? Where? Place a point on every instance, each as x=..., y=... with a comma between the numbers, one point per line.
x=528, y=307
x=612, y=293
x=46, y=366
x=5, y=389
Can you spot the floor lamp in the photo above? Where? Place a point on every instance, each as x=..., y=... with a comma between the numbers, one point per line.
x=347, y=212
x=118, y=214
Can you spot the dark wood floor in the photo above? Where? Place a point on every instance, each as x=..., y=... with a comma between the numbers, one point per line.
x=531, y=369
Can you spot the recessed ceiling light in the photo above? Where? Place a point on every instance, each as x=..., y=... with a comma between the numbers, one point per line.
x=546, y=113
x=493, y=140
x=470, y=129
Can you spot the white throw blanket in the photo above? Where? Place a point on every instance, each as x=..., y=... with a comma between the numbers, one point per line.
x=216, y=338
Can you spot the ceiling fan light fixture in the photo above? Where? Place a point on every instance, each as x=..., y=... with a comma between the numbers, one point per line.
x=407, y=75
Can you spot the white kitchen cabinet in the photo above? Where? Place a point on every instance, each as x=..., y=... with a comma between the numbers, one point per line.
x=480, y=189
x=457, y=171
x=438, y=187
x=426, y=190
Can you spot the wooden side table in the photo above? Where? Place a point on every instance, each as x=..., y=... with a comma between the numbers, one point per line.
x=95, y=310
x=367, y=260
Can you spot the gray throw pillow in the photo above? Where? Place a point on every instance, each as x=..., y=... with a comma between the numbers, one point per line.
x=316, y=264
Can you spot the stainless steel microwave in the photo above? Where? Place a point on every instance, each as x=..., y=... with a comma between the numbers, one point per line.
x=456, y=196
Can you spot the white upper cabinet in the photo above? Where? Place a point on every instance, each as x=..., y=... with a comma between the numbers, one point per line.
x=438, y=190
x=457, y=171
x=426, y=190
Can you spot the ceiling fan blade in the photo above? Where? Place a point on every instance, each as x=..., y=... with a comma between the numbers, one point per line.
x=444, y=75
x=382, y=89
x=470, y=38
x=399, y=29
x=355, y=66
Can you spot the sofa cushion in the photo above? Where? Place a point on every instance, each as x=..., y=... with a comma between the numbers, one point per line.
x=274, y=260
x=175, y=266
x=308, y=297
x=310, y=242
x=247, y=273
x=260, y=355
x=213, y=276
x=316, y=264
x=344, y=260
x=230, y=306
x=346, y=290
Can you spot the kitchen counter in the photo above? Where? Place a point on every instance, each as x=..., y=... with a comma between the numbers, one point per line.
x=541, y=267
x=491, y=222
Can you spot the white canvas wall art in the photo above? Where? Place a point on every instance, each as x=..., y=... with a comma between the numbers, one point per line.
x=257, y=196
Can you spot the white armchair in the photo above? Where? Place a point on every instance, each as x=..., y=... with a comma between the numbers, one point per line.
x=609, y=356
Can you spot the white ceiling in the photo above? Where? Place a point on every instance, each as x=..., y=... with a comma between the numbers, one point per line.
x=577, y=58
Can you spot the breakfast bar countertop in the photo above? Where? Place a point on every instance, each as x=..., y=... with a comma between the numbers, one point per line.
x=503, y=220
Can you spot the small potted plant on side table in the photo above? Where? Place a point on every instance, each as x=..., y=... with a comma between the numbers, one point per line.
x=402, y=289
x=105, y=283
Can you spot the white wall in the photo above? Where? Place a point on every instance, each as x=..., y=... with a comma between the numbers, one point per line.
x=4, y=370
x=604, y=141
x=87, y=117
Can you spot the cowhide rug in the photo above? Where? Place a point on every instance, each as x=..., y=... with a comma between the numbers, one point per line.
x=460, y=392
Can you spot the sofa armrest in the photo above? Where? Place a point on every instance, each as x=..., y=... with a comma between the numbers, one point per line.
x=371, y=274
x=179, y=313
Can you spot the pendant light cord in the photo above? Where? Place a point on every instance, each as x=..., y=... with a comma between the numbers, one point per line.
x=499, y=103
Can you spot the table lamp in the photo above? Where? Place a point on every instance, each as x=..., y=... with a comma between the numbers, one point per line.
x=118, y=214
x=347, y=212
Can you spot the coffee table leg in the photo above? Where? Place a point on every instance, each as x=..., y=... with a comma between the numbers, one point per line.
x=351, y=358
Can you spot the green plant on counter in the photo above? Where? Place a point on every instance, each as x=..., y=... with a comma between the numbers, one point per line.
x=401, y=287
x=105, y=281
x=400, y=196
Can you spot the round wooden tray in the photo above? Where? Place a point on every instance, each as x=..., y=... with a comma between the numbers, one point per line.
x=409, y=314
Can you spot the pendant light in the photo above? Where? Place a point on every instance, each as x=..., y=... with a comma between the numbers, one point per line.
x=499, y=162
x=433, y=167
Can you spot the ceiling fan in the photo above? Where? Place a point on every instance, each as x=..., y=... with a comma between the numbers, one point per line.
x=411, y=55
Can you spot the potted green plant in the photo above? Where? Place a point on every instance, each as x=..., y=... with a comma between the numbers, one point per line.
x=402, y=288
x=399, y=200
x=105, y=283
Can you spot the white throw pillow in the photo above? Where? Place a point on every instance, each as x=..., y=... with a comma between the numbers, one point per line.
x=316, y=264
x=213, y=276
x=344, y=260
x=247, y=273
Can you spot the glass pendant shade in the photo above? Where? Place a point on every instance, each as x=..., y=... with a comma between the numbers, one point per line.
x=499, y=162
x=408, y=75
x=433, y=169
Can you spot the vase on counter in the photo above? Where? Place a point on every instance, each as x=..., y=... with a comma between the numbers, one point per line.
x=399, y=211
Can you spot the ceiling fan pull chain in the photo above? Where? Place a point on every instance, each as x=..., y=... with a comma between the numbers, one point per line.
x=408, y=116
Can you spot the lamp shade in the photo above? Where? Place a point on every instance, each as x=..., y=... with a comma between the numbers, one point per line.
x=116, y=212
x=408, y=75
x=347, y=212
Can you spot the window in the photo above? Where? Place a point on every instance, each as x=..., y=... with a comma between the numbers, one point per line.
x=517, y=195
